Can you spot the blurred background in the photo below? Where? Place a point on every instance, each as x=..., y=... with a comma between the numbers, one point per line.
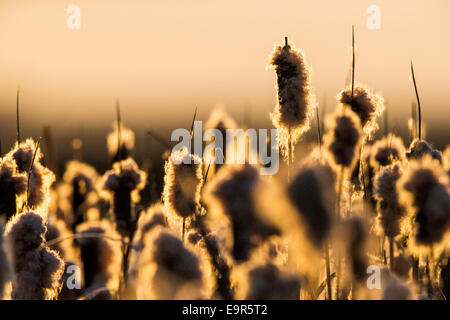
x=162, y=59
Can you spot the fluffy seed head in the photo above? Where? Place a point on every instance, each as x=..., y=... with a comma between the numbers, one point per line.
x=231, y=193
x=390, y=211
x=23, y=154
x=425, y=192
x=312, y=192
x=168, y=270
x=295, y=98
x=37, y=269
x=367, y=106
x=183, y=181
x=268, y=282
x=419, y=148
x=343, y=138
x=101, y=255
x=386, y=151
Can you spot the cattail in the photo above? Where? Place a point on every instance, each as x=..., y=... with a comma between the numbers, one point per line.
x=221, y=121
x=58, y=238
x=419, y=148
x=126, y=143
x=36, y=268
x=312, y=192
x=41, y=178
x=268, y=282
x=123, y=184
x=148, y=221
x=366, y=105
x=101, y=254
x=12, y=184
x=390, y=211
x=167, y=269
x=82, y=179
x=425, y=192
x=4, y=268
x=357, y=246
x=387, y=150
x=343, y=138
x=295, y=99
x=231, y=192
x=183, y=182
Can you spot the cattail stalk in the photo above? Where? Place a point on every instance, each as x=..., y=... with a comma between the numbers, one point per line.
x=418, y=102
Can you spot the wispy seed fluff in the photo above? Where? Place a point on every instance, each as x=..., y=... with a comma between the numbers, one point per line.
x=425, y=192
x=390, y=211
x=268, y=282
x=232, y=193
x=386, y=151
x=36, y=269
x=123, y=183
x=419, y=148
x=367, y=106
x=126, y=143
x=313, y=194
x=295, y=99
x=183, y=181
x=12, y=184
x=101, y=254
x=343, y=138
x=82, y=178
x=168, y=270
x=41, y=177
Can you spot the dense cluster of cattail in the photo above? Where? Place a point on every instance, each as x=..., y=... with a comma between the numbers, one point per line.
x=359, y=203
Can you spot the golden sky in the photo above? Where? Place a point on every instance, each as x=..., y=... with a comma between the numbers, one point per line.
x=164, y=58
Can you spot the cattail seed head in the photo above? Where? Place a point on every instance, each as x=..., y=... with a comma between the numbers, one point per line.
x=386, y=151
x=122, y=183
x=425, y=192
x=367, y=106
x=268, y=282
x=343, y=138
x=168, y=269
x=419, y=148
x=126, y=143
x=183, y=181
x=295, y=99
x=312, y=192
x=390, y=211
x=36, y=269
x=231, y=193
x=101, y=255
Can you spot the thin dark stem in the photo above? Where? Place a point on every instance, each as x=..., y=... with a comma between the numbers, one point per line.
x=289, y=155
x=286, y=44
x=418, y=103
x=328, y=270
x=18, y=116
x=159, y=139
x=193, y=120
x=319, y=131
x=119, y=136
x=90, y=235
x=353, y=59
x=183, y=229
x=30, y=170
